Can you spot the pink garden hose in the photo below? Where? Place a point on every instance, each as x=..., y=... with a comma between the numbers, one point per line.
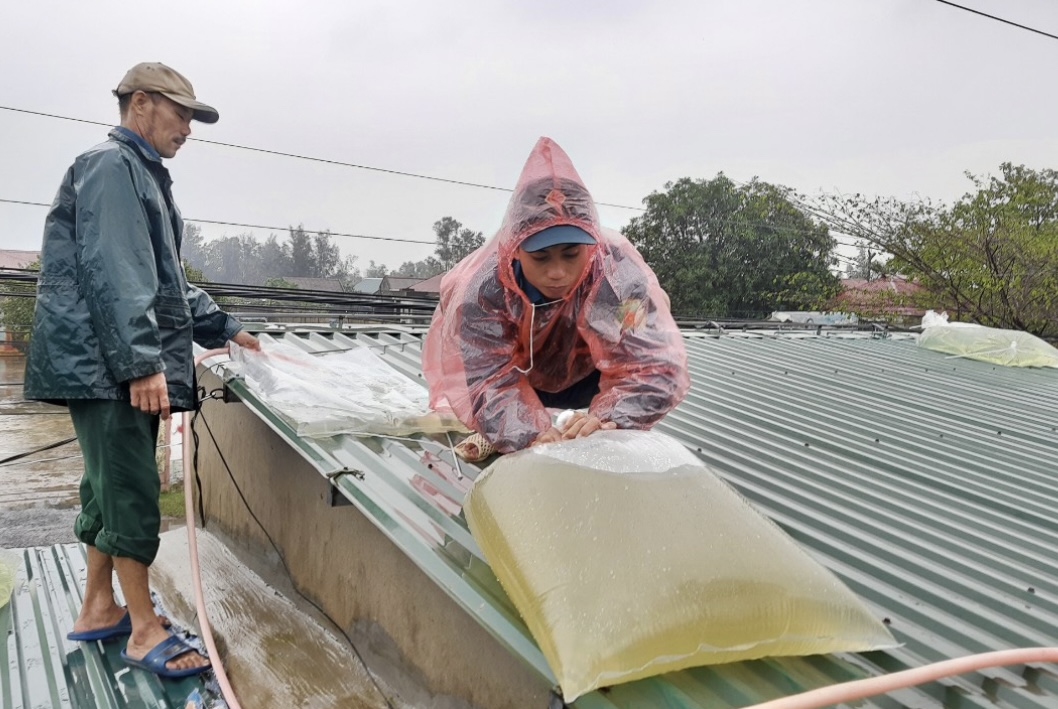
x=861, y=688
x=196, y=575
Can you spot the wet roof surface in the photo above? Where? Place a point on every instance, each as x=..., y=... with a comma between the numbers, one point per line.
x=926, y=483
x=40, y=668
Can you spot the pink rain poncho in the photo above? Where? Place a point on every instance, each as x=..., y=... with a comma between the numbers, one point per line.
x=489, y=347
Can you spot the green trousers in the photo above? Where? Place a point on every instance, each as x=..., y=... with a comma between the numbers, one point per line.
x=120, y=488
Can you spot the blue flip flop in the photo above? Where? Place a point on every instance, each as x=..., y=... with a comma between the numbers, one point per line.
x=154, y=661
x=122, y=627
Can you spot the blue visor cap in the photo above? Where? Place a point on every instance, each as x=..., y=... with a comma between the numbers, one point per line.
x=561, y=234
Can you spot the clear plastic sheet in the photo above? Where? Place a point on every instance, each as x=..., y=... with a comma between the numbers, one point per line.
x=627, y=558
x=1009, y=348
x=352, y=391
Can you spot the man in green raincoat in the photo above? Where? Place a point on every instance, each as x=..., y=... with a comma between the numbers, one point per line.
x=113, y=332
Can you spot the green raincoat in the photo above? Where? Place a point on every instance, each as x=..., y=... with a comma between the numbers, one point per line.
x=112, y=300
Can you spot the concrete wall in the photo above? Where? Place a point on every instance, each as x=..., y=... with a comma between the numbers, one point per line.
x=425, y=649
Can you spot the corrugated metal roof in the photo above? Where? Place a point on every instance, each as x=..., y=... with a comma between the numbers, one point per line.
x=926, y=483
x=40, y=668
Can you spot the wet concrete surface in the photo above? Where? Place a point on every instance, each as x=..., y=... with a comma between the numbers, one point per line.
x=38, y=493
x=275, y=654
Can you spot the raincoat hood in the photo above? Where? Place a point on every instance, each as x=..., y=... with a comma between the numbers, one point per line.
x=489, y=347
x=549, y=193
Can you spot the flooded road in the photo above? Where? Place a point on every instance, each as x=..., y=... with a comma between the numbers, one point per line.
x=38, y=493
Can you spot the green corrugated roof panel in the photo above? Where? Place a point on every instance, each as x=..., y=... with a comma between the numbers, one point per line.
x=926, y=483
x=40, y=668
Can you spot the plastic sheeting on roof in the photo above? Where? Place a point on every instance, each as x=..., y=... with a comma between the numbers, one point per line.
x=349, y=391
x=1009, y=348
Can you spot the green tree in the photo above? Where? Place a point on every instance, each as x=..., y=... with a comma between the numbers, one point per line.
x=302, y=254
x=192, y=274
x=454, y=241
x=426, y=268
x=864, y=265
x=16, y=310
x=193, y=246
x=376, y=270
x=347, y=271
x=234, y=259
x=275, y=258
x=992, y=257
x=724, y=250
x=328, y=256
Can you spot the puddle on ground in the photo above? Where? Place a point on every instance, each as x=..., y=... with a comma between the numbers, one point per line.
x=46, y=479
x=275, y=655
x=38, y=493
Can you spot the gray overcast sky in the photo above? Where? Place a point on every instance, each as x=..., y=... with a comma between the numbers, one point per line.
x=888, y=97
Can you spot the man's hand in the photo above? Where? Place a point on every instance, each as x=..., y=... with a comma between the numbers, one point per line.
x=552, y=435
x=245, y=339
x=582, y=425
x=149, y=394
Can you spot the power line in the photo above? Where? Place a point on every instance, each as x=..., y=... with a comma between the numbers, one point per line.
x=344, y=164
x=998, y=19
x=326, y=161
x=328, y=233
x=352, y=165
x=734, y=221
x=259, y=226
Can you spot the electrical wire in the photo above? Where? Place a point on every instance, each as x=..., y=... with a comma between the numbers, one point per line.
x=780, y=228
x=998, y=19
x=297, y=156
x=765, y=225
x=260, y=226
x=19, y=456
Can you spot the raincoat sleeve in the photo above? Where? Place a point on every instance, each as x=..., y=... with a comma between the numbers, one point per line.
x=212, y=326
x=119, y=274
x=469, y=360
x=635, y=344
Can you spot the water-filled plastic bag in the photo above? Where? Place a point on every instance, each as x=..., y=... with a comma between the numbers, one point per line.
x=627, y=557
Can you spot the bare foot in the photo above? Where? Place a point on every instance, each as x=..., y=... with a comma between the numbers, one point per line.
x=144, y=641
x=98, y=618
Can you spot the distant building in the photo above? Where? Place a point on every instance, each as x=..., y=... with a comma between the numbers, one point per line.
x=890, y=298
x=331, y=285
x=397, y=284
x=10, y=258
x=368, y=286
x=431, y=286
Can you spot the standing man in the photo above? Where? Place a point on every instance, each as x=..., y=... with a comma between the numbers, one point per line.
x=112, y=339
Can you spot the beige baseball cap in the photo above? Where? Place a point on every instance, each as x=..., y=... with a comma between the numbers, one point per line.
x=157, y=77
